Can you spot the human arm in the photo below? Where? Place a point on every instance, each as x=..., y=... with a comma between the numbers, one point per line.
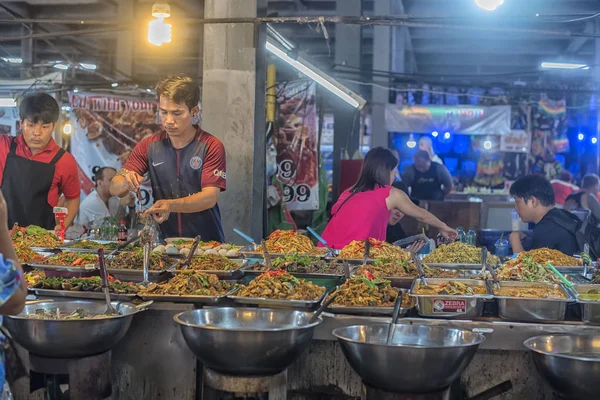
x=398, y=200
x=16, y=301
x=445, y=178
x=516, y=241
x=73, y=206
x=71, y=190
x=129, y=178
x=594, y=205
x=201, y=201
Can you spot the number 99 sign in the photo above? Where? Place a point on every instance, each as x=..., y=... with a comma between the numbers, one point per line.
x=300, y=193
x=287, y=169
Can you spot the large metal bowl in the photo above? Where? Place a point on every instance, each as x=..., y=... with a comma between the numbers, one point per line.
x=246, y=341
x=570, y=364
x=420, y=359
x=69, y=338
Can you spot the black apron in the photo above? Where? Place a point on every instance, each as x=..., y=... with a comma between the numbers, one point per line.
x=25, y=185
x=426, y=185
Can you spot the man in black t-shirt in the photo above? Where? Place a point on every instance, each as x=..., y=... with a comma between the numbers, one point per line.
x=554, y=228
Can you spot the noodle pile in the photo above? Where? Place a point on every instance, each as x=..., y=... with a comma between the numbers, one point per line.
x=457, y=253
x=366, y=290
x=395, y=268
x=379, y=249
x=544, y=256
x=290, y=242
x=527, y=270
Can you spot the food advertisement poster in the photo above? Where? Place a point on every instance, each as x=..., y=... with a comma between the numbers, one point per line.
x=106, y=128
x=517, y=141
x=296, y=140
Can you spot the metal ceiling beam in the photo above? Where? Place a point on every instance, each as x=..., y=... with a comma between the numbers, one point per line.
x=411, y=61
x=577, y=43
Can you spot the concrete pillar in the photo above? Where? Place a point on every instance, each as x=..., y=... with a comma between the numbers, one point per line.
x=228, y=100
x=124, y=58
x=26, y=52
x=382, y=56
x=346, y=135
x=399, y=41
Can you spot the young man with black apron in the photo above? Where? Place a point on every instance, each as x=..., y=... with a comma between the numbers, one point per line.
x=186, y=167
x=427, y=180
x=34, y=171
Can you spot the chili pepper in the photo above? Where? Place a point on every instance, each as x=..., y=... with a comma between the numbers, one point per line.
x=369, y=275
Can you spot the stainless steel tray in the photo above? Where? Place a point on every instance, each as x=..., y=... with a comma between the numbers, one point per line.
x=590, y=309
x=571, y=269
x=454, y=266
x=302, y=275
x=528, y=309
x=44, y=249
x=232, y=274
x=445, y=306
x=209, y=300
x=351, y=261
x=263, y=302
x=64, y=268
x=67, y=246
x=76, y=294
x=260, y=255
x=369, y=310
x=135, y=275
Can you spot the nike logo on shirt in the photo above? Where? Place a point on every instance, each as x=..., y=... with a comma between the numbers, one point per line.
x=155, y=164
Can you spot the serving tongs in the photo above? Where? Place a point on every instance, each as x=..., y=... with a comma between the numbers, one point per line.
x=104, y=277
x=394, y=320
x=484, y=257
x=247, y=238
x=120, y=247
x=322, y=308
x=494, y=275
x=330, y=251
x=188, y=259
x=266, y=255
x=367, y=251
x=346, y=269
x=586, y=258
x=149, y=233
x=419, y=265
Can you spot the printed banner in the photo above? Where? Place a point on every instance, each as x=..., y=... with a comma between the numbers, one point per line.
x=9, y=121
x=296, y=142
x=466, y=120
x=517, y=141
x=105, y=130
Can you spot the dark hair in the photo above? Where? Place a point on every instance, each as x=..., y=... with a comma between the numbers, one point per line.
x=179, y=88
x=590, y=180
x=99, y=173
x=423, y=155
x=39, y=107
x=533, y=186
x=375, y=170
x=565, y=176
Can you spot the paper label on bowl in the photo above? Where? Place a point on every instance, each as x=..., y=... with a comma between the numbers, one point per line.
x=449, y=306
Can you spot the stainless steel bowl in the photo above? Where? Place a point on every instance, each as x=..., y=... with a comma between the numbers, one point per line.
x=570, y=364
x=246, y=341
x=69, y=338
x=420, y=359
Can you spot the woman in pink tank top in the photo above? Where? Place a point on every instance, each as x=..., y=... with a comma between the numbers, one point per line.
x=364, y=210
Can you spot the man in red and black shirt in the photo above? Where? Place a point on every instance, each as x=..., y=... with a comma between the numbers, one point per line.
x=186, y=166
x=34, y=171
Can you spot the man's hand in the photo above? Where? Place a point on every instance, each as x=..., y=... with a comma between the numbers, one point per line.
x=516, y=239
x=160, y=211
x=128, y=200
x=131, y=179
x=449, y=233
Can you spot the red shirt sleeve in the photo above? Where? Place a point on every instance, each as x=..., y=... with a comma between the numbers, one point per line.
x=214, y=172
x=138, y=159
x=69, y=181
x=4, y=150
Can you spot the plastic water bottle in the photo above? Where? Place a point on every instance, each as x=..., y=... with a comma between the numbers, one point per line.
x=471, y=237
x=516, y=221
x=105, y=229
x=461, y=234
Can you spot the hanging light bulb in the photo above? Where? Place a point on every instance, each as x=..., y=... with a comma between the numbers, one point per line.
x=411, y=141
x=489, y=5
x=67, y=128
x=159, y=32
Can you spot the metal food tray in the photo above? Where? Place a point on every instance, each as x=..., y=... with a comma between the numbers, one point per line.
x=571, y=269
x=351, y=261
x=264, y=302
x=66, y=246
x=231, y=274
x=64, y=268
x=590, y=309
x=136, y=275
x=445, y=306
x=454, y=266
x=208, y=300
x=302, y=275
x=532, y=309
x=260, y=255
x=80, y=294
x=370, y=310
x=44, y=249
